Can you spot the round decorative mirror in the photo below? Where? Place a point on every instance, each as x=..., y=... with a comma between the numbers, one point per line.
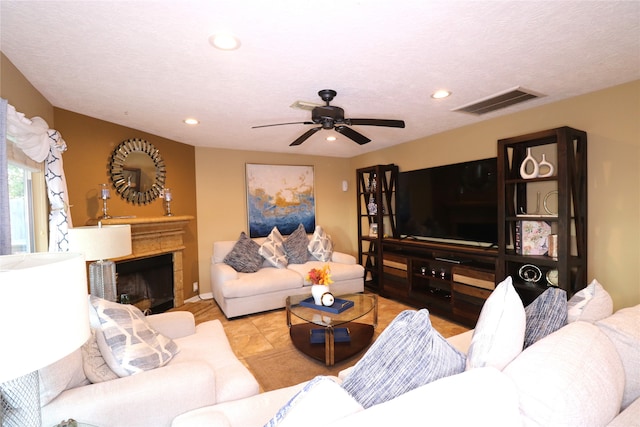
x=137, y=171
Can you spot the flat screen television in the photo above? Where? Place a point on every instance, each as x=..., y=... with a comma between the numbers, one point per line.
x=455, y=203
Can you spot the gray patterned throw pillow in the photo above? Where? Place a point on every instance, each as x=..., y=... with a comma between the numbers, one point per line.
x=545, y=315
x=273, y=249
x=295, y=245
x=409, y=353
x=244, y=257
x=321, y=246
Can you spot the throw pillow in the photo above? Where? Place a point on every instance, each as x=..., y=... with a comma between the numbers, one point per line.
x=545, y=315
x=245, y=256
x=273, y=249
x=499, y=334
x=95, y=367
x=295, y=246
x=127, y=342
x=320, y=245
x=623, y=329
x=319, y=403
x=408, y=354
x=590, y=304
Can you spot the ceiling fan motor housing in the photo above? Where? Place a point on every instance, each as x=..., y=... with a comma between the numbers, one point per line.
x=327, y=116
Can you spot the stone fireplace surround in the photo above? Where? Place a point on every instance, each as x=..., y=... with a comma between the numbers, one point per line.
x=151, y=236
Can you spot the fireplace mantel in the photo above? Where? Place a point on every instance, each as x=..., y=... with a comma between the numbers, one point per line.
x=152, y=236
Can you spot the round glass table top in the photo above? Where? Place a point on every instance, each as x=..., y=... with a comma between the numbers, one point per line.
x=363, y=304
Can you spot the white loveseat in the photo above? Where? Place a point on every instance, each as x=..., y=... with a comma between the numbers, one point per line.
x=239, y=294
x=586, y=373
x=204, y=372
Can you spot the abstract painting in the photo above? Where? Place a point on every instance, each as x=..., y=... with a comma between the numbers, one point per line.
x=280, y=196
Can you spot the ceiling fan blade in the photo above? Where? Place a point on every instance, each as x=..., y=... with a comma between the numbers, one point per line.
x=352, y=134
x=280, y=124
x=376, y=122
x=305, y=136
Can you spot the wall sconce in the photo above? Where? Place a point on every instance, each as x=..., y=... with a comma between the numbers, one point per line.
x=105, y=194
x=167, y=201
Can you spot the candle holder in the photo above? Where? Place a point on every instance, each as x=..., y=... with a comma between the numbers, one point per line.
x=105, y=194
x=167, y=202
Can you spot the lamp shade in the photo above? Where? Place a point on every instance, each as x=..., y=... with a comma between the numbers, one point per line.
x=101, y=242
x=44, y=310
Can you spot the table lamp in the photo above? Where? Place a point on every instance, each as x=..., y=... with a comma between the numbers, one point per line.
x=53, y=323
x=98, y=243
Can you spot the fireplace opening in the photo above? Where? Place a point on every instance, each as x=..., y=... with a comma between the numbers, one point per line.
x=147, y=282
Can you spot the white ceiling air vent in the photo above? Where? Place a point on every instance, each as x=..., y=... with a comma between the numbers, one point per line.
x=304, y=105
x=499, y=100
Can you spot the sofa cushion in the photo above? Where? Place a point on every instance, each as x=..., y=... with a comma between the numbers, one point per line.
x=320, y=402
x=61, y=375
x=273, y=249
x=94, y=365
x=320, y=245
x=296, y=246
x=245, y=256
x=499, y=333
x=572, y=377
x=590, y=304
x=263, y=281
x=127, y=343
x=623, y=329
x=408, y=354
x=546, y=314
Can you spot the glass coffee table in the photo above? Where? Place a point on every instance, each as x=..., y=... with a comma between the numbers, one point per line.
x=331, y=337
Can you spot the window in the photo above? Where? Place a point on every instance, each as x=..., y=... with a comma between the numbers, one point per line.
x=21, y=209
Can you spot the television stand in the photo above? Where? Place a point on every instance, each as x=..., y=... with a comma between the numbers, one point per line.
x=450, y=280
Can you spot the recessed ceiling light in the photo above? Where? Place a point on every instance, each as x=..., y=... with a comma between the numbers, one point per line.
x=224, y=41
x=439, y=94
x=191, y=121
x=331, y=138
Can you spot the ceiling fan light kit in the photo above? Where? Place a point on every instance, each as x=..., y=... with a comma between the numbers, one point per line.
x=332, y=117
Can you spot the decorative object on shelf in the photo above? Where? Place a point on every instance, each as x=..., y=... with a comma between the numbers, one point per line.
x=320, y=279
x=552, y=244
x=531, y=237
x=168, y=196
x=530, y=273
x=372, y=207
x=545, y=164
x=57, y=324
x=535, y=167
x=105, y=194
x=137, y=171
x=547, y=202
x=99, y=243
x=552, y=277
x=373, y=229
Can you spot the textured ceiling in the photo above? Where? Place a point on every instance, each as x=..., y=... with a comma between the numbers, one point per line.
x=148, y=64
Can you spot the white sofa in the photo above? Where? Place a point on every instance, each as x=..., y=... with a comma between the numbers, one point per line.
x=239, y=294
x=204, y=372
x=584, y=374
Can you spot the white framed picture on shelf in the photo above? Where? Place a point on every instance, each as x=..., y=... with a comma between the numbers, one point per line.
x=373, y=230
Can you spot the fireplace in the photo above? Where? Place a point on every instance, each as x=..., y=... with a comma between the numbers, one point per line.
x=147, y=282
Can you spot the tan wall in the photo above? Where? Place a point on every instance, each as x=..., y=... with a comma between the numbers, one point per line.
x=90, y=144
x=221, y=196
x=610, y=118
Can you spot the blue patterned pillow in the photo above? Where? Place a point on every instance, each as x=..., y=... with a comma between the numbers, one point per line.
x=545, y=315
x=409, y=353
x=244, y=257
x=295, y=245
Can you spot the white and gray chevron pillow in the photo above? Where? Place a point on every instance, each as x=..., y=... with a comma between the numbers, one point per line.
x=273, y=249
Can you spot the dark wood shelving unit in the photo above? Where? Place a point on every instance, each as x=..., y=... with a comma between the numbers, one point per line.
x=519, y=199
x=376, y=206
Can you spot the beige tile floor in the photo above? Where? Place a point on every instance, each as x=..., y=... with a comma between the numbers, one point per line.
x=256, y=333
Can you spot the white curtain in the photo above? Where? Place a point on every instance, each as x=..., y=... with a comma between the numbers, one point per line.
x=5, y=224
x=42, y=144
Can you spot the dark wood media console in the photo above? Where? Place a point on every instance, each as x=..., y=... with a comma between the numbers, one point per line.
x=448, y=279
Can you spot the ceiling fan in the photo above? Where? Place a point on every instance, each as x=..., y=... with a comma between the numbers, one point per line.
x=332, y=117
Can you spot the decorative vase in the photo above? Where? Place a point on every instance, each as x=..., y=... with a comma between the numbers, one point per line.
x=545, y=164
x=317, y=291
x=534, y=166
